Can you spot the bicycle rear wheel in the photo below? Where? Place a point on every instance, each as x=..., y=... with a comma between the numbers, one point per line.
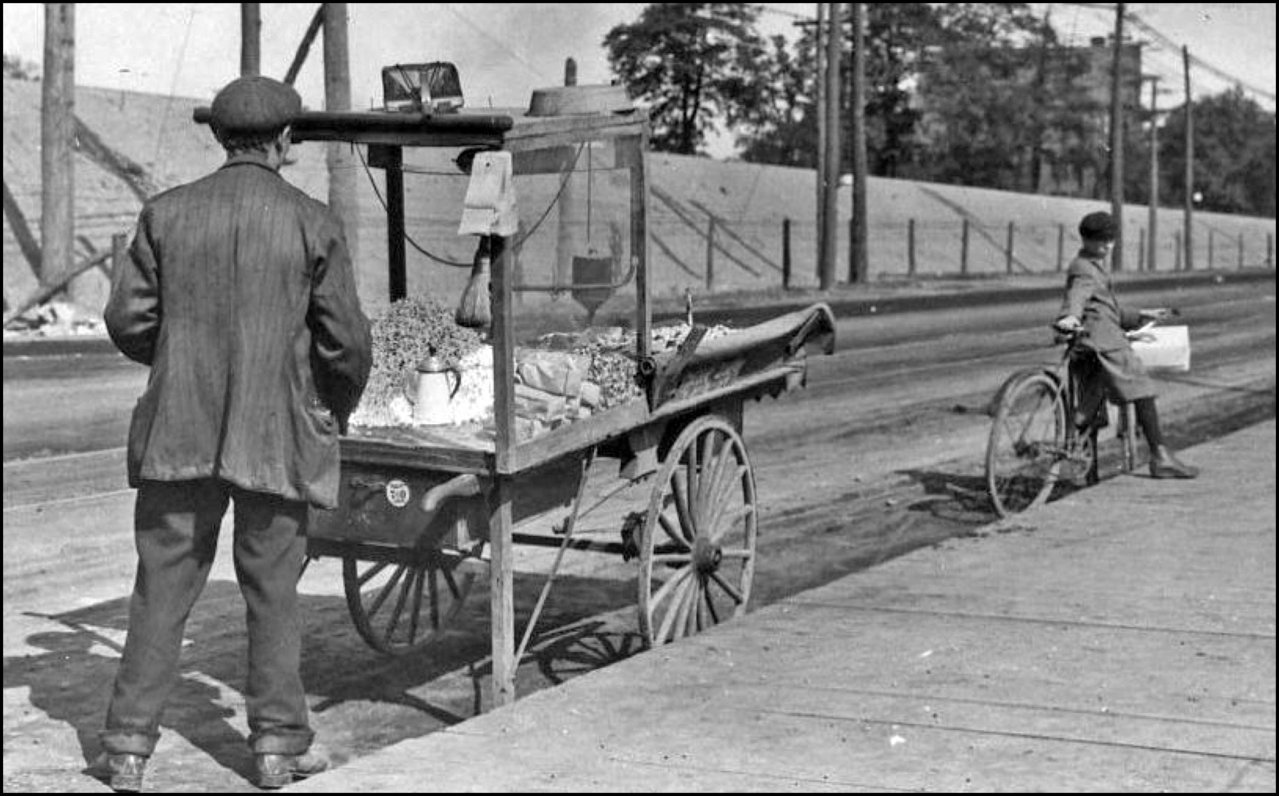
x=1027, y=445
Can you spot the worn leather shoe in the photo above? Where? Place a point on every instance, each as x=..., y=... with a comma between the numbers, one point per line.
x=276, y=771
x=1164, y=464
x=120, y=770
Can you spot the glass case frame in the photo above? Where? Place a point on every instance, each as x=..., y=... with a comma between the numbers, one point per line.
x=537, y=145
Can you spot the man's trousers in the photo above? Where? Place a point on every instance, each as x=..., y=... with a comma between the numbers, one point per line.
x=176, y=527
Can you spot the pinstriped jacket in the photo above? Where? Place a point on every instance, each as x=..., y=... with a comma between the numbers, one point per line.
x=239, y=294
x=1090, y=297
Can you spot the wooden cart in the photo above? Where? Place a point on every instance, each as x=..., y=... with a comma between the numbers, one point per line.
x=425, y=511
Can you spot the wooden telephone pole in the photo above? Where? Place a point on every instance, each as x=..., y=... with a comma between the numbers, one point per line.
x=57, y=144
x=250, y=39
x=1117, y=142
x=1188, y=233
x=1152, y=238
x=819, y=81
x=830, y=188
x=337, y=97
x=858, y=259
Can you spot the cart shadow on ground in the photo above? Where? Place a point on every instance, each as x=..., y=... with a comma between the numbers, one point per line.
x=70, y=681
x=588, y=623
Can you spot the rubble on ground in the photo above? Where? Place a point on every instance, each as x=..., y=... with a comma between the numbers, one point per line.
x=55, y=319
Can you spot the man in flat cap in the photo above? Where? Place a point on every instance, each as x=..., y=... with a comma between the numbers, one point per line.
x=239, y=294
x=1107, y=365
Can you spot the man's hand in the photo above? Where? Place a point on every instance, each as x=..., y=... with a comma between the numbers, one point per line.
x=1068, y=324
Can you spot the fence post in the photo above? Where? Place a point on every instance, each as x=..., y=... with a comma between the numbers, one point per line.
x=910, y=247
x=1008, y=253
x=1240, y=248
x=1270, y=250
x=119, y=250
x=1061, y=246
x=1176, y=261
x=963, y=250
x=1210, y=247
x=1141, y=248
x=852, y=248
x=710, y=253
x=786, y=254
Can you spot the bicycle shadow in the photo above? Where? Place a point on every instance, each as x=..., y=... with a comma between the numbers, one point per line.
x=952, y=496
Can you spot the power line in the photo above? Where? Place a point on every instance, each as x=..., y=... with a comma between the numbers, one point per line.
x=497, y=42
x=1167, y=42
x=765, y=9
x=1197, y=61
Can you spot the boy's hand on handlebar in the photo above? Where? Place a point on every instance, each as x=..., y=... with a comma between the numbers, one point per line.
x=1068, y=324
x=1157, y=313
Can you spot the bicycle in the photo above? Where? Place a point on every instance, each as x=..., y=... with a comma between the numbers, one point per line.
x=1031, y=441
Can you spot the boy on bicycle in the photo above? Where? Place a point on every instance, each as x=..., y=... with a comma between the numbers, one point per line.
x=1091, y=311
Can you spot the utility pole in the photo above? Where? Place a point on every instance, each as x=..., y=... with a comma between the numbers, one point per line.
x=1117, y=141
x=304, y=48
x=819, y=80
x=250, y=39
x=337, y=97
x=57, y=144
x=1188, y=233
x=858, y=261
x=568, y=216
x=830, y=226
x=1152, y=260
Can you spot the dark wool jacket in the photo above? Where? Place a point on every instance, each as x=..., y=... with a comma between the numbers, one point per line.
x=240, y=295
x=1091, y=298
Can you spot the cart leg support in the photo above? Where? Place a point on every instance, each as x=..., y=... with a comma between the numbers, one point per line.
x=501, y=594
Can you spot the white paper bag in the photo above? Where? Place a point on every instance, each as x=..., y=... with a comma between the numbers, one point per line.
x=489, y=207
x=1162, y=347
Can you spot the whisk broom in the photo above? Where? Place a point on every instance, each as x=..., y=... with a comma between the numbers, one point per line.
x=475, y=310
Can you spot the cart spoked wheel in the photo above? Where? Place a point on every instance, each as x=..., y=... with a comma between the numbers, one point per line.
x=697, y=552
x=400, y=604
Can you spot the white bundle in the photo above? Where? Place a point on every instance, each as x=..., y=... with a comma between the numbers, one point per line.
x=473, y=401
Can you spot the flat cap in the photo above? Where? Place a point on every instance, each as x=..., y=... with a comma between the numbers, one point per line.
x=253, y=105
x=1097, y=226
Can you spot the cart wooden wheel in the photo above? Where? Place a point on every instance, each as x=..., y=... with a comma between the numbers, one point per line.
x=406, y=599
x=697, y=551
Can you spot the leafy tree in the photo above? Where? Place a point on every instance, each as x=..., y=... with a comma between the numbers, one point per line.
x=693, y=63
x=785, y=132
x=1234, y=155
x=907, y=45
x=19, y=69
x=897, y=37
x=780, y=128
x=988, y=96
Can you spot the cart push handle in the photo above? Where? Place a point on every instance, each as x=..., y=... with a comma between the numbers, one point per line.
x=465, y=485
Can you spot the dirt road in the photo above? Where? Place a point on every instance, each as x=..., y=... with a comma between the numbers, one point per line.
x=878, y=456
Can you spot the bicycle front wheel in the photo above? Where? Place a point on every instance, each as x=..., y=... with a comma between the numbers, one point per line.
x=1027, y=445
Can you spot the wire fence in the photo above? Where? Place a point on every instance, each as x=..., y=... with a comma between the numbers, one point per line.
x=710, y=253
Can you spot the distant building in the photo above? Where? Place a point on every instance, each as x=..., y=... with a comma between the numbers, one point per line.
x=1062, y=171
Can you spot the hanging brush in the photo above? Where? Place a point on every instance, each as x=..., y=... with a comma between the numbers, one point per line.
x=475, y=310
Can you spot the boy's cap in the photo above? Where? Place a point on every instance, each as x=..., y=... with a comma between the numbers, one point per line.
x=1098, y=226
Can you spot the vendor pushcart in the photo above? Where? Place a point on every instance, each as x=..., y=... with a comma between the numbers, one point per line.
x=577, y=423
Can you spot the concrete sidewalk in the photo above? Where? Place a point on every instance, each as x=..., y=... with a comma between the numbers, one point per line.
x=1121, y=639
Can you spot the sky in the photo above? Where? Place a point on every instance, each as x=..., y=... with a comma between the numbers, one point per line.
x=504, y=51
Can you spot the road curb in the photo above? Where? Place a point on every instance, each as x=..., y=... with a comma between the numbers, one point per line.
x=916, y=302
x=909, y=300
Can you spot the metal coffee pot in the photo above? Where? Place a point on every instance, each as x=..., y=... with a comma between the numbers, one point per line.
x=427, y=388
